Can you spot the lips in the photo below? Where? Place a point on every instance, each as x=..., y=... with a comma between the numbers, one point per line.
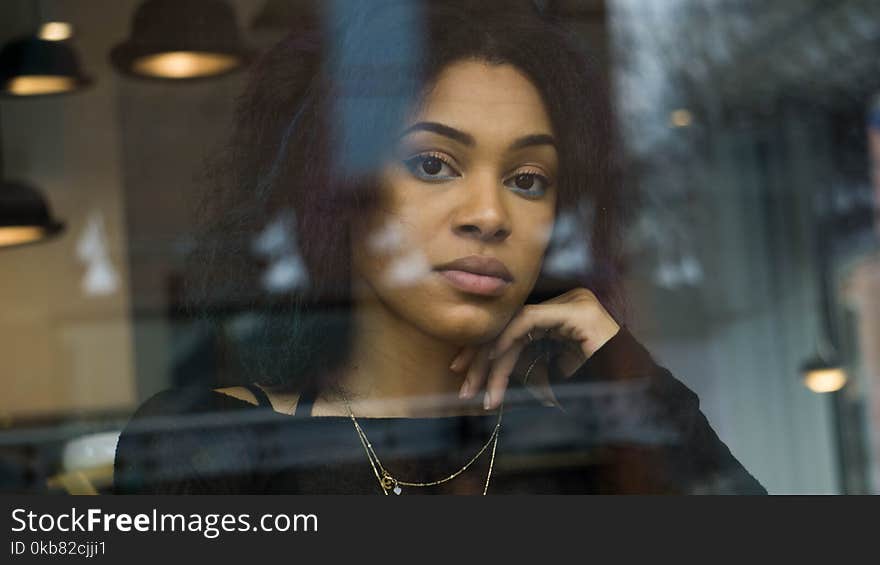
x=477, y=274
x=479, y=265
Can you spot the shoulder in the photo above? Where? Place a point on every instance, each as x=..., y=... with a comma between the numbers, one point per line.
x=282, y=400
x=182, y=409
x=239, y=392
x=194, y=400
x=178, y=401
x=179, y=436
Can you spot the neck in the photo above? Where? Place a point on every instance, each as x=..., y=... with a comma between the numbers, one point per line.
x=396, y=370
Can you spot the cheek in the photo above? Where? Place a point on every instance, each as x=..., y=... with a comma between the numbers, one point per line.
x=536, y=232
x=533, y=245
x=541, y=235
x=395, y=246
x=389, y=253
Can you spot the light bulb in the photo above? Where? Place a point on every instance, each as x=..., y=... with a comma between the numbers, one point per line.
x=16, y=235
x=32, y=85
x=184, y=64
x=55, y=31
x=827, y=379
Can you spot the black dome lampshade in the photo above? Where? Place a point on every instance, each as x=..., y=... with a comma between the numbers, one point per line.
x=286, y=15
x=31, y=66
x=24, y=216
x=181, y=40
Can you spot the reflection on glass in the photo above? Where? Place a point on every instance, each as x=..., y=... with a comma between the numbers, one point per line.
x=681, y=118
x=277, y=244
x=750, y=190
x=100, y=277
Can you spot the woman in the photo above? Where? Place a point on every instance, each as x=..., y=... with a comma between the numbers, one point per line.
x=428, y=161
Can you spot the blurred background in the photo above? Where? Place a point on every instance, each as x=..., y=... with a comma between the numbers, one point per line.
x=751, y=134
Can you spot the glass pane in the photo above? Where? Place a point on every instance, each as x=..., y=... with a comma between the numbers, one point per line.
x=243, y=243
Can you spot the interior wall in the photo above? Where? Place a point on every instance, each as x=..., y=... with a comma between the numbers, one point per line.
x=64, y=349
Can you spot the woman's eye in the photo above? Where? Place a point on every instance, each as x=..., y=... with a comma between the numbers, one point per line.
x=430, y=167
x=529, y=183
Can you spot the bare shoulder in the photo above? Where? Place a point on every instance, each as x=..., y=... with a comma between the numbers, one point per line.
x=282, y=400
x=238, y=392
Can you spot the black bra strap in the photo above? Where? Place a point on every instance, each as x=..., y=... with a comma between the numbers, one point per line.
x=306, y=400
x=262, y=397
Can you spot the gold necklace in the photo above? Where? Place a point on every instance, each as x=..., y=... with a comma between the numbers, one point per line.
x=391, y=484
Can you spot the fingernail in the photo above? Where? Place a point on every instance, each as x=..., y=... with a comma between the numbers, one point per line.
x=487, y=401
x=464, y=389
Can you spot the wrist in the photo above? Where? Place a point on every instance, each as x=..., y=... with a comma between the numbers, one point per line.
x=600, y=335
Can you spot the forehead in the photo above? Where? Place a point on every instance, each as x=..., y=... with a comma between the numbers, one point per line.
x=479, y=96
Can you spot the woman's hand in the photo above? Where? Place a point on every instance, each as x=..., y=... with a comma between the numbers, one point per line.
x=576, y=318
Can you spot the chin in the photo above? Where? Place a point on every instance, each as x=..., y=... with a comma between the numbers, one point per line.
x=478, y=327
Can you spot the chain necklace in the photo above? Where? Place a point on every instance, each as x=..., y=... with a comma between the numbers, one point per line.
x=391, y=484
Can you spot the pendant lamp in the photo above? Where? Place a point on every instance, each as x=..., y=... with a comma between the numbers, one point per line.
x=181, y=40
x=823, y=376
x=24, y=216
x=286, y=15
x=31, y=66
x=823, y=372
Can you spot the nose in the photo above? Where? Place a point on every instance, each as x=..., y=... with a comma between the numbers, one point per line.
x=482, y=213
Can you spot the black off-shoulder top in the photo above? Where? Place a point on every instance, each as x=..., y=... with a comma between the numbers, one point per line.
x=623, y=424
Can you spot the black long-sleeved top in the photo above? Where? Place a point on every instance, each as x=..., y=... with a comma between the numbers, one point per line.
x=623, y=424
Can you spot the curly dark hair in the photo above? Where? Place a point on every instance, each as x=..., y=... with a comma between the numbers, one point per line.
x=310, y=129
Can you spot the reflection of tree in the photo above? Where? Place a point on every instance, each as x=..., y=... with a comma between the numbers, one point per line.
x=721, y=60
x=651, y=85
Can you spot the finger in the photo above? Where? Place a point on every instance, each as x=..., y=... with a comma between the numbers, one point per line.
x=539, y=317
x=464, y=358
x=476, y=374
x=564, y=297
x=499, y=377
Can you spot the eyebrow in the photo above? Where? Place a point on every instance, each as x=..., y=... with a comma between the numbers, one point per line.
x=467, y=139
x=534, y=139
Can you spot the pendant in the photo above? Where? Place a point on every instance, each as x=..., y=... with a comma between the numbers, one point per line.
x=388, y=483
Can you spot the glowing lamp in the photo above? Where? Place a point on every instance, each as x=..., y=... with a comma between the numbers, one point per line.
x=178, y=40
x=32, y=66
x=821, y=375
x=24, y=216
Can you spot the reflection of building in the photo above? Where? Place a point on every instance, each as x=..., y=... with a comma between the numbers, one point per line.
x=863, y=296
x=773, y=148
x=874, y=152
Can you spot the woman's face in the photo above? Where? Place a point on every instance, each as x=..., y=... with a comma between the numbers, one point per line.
x=473, y=174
